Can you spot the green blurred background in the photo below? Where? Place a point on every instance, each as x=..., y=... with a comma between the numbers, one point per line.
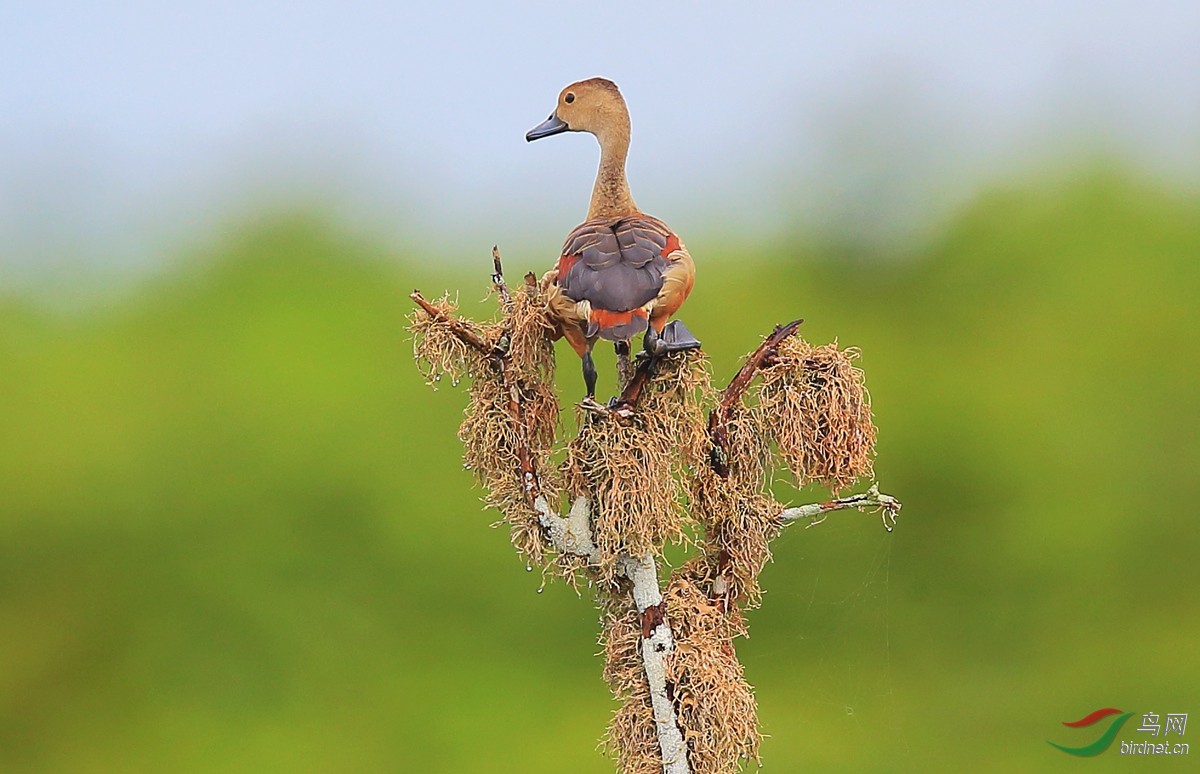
x=236, y=535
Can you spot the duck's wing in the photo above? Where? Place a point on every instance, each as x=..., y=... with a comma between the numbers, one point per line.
x=617, y=267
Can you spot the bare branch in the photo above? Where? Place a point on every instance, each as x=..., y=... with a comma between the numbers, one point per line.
x=657, y=645
x=871, y=500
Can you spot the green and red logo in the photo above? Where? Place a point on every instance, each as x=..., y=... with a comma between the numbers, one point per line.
x=1105, y=739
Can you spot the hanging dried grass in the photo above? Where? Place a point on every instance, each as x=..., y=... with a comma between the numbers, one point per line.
x=438, y=346
x=530, y=347
x=512, y=410
x=491, y=434
x=633, y=469
x=741, y=521
x=714, y=704
x=739, y=517
x=814, y=403
x=632, y=737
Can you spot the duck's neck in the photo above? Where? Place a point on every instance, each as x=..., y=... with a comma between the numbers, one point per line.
x=610, y=195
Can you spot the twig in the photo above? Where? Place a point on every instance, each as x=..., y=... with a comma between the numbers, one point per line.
x=498, y=278
x=646, y=368
x=764, y=356
x=465, y=334
x=872, y=499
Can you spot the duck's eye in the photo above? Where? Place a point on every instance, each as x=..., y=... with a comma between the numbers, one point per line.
x=569, y=98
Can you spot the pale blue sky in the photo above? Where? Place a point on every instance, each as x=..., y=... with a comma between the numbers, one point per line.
x=122, y=126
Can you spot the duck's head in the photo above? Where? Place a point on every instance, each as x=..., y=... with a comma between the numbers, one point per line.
x=594, y=106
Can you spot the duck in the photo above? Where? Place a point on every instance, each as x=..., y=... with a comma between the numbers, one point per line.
x=621, y=272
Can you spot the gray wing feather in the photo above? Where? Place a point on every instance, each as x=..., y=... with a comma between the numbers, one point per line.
x=618, y=264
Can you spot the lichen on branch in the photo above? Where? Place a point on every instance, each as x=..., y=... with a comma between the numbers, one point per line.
x=511, y=422
x=814, y=404
x=633, y=469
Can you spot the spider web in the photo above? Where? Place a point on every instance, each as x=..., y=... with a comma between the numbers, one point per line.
x=820, y=648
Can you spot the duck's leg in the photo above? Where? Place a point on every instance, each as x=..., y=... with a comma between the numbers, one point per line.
x=589, y=373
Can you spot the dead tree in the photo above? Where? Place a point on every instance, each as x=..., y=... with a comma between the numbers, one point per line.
x=651, y=469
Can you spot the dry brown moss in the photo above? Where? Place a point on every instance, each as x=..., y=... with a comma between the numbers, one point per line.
x=632, y=739
x=738, y=516
x=438, y=348
x=632, y=736
x=741, y=523
x=714, y=704
x=633, y=471
x=512, y=404
x=530, y=348
x=491, y=433
x=814, y=404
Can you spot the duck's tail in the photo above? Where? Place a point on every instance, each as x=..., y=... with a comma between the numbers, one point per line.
x=617, y=326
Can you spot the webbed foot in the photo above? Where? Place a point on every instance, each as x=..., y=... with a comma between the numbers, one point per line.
x=675, y=337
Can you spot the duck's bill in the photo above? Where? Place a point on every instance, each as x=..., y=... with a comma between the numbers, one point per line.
x=552, y=125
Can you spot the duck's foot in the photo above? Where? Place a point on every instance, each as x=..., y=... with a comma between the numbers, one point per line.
x=675, y=337
x=620, y=408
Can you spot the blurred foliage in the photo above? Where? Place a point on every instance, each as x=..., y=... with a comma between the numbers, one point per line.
x=235, y=534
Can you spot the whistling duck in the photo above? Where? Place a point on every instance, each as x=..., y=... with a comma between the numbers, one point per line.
x=621, y=271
